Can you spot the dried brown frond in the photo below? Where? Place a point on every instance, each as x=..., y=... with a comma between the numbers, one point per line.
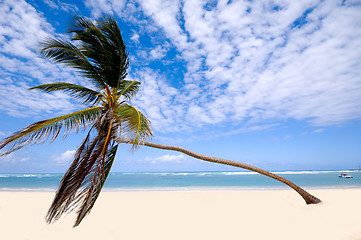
x=82, y=183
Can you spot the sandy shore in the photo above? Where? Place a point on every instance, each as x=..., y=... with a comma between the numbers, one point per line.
x=189, y=215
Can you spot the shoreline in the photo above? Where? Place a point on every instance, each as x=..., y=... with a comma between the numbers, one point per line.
x=193, y=189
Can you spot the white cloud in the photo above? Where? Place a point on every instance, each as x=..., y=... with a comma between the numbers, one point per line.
x=159, y=101
x=22, y=29
x=99, y=7
x=65, y=157
x=166, y=159
x=13, y=158
x=158, y=53
x=166, y=14
x=319, y=130
x=61, y=5
x=256, y=61
x=148, y=55
x=252, y=129
x=135, y=37
x=250, y=62
x=20, y=102
x=51, y=4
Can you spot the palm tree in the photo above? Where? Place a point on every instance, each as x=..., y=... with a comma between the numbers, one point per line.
x=98, y=53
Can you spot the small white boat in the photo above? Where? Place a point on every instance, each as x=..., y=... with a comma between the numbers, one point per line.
x=345, y=175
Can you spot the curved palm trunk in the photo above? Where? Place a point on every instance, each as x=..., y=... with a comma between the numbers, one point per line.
x=310, y=199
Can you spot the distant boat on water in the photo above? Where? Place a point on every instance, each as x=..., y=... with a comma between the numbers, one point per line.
x=345, y=175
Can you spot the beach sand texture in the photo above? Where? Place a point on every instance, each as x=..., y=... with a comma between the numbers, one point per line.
x=278, y=214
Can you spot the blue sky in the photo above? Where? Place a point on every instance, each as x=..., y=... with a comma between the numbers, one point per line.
x=276, y=84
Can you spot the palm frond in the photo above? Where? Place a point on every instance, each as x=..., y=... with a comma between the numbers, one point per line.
x=84, y=94
x=110, y=29
x=134, y=124
x=65, y=52
x=128, y=89
x=79, y=24
x=98, y=183
x=42, y=130
x=103, y=46
x=82, y=183
x=72, y=179
x=101, y=55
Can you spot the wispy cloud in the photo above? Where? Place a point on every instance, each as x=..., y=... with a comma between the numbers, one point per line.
x=105, y=6
x=159, y=101
x=22, y=28
x=319, y=130
x=252, y=129
x=13, y=158
x=67, y=7
x=20, y=102
x=245, y=62
x=135, y=37
x=265, y=61
x=166, y=159
x=65, y=157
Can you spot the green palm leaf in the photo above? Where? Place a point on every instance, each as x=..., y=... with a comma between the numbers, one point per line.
x=65, y=52
x=104, y=46
x=85, y=94
x=134, y=124
x=128, y=89
x=42, y=130
x=120, y=60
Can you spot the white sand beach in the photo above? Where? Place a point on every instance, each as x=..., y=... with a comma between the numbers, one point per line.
x=278, y=214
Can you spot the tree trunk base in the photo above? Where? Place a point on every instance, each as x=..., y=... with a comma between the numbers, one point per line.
x=311, y=199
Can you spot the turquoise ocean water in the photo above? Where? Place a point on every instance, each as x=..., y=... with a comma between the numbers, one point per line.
x=188, y=181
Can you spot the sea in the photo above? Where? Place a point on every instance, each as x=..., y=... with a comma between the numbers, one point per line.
x=173, y=181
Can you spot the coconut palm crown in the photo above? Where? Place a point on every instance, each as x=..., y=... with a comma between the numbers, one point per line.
x=98, y=53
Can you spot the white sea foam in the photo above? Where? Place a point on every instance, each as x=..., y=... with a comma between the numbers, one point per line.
x=6, y=189
x=50, y=175
x=238, y=173
x=16, y=175
x=232, y=173
x=310, y=172
x=29, y=175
